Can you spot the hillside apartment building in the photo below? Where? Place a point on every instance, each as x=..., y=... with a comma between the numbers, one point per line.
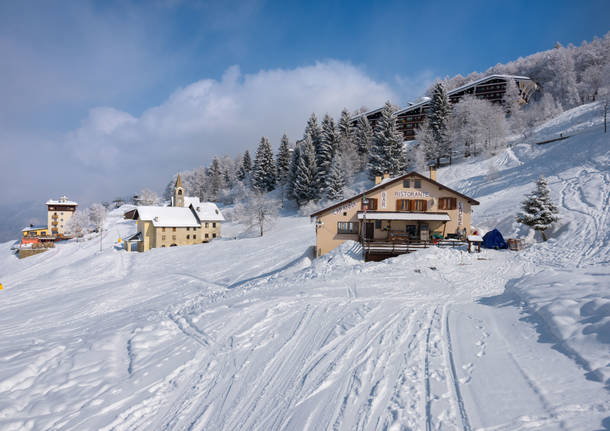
x=491, y=88
x=408, y=207
x=187, y=221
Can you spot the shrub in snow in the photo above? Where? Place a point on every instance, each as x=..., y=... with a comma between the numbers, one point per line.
x=538, y=211
x=147, y=197
x=257, y=210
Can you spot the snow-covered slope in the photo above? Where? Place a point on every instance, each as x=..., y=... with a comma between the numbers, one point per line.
x=254, y=334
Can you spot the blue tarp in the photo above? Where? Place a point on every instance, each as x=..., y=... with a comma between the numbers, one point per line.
x=494, y=239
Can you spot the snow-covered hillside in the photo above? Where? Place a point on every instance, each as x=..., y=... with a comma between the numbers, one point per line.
x=254, y=334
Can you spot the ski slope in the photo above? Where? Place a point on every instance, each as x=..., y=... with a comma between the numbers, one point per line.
x=252, y=334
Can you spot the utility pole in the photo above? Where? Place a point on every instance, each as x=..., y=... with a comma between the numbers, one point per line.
x=101, y=231
x=365, y=203
x=605, y=116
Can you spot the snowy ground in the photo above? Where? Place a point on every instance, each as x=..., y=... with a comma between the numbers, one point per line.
x=253, y=334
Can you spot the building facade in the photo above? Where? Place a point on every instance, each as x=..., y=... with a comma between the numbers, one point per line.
x=58, y=213
x=411, y=207
x=186, y=222
x=491, y=88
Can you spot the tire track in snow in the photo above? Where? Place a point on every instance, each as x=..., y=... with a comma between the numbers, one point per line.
x=454, y=377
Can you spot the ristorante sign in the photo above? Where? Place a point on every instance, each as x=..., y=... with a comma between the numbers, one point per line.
x=403, y=194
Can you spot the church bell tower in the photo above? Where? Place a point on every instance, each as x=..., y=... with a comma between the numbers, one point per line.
x=178, y=193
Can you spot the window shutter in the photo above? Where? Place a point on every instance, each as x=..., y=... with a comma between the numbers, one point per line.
x=425, y=205
x=411, y=205
x=453, y=203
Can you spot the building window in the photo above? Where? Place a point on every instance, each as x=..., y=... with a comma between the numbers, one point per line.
x=179, y=192
x=188, y=236
x=174, y=230
x=188, y=228
x=417, y=184
x=411, y=205
x=377, y=224
x=213, y=224
x=207, y=224
x=174, y=237
x=372, y=204
x=207, y=235
x=447, y=203
x=163, y=229
x=419, y=205
x=406, y=184
x=347, y=227
x=194, y=236
x=213, y=235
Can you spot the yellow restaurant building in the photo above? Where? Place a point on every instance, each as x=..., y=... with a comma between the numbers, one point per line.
x=411, y=207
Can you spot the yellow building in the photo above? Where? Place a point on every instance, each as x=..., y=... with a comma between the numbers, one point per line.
x=58, y=214
x=35, y=231
x=188, y=221
x=411, y=207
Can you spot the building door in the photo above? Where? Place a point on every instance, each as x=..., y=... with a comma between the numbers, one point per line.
x=369, y=233
x=424, y=232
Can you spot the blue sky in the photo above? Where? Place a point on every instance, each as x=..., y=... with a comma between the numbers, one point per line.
x=99, y=87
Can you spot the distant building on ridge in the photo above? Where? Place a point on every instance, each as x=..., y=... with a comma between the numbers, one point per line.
x=491, y=88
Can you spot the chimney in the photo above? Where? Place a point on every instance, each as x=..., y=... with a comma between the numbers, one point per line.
x=433, y=172
x=386, y=176
x=377, y=179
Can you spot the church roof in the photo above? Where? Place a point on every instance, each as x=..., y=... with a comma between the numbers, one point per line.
x=179, y=181
x=206, y=211
x=167, y=216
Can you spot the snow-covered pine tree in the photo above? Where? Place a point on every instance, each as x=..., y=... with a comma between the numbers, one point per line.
x=329, y=143
x=538, y=211
x=283, y=161
x=312, y=129
x=305, y=187
x=294, y=163
x=438, y=120
x=363, y=137
x=344, y=129
x=216, y=178
x=386, y=150
x=263, y=173
x=336, y=181
x=350, y=160
x=246, y=167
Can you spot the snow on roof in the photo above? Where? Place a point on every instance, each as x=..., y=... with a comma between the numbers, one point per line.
x=208, y=211
x=191, y=200
x=486, y=78
x=28, y=228
x=426, y=100
x=366, y=114
x=391, y=215
x=168, y=216
x=62, y=201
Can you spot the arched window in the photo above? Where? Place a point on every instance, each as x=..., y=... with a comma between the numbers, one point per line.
x=180, y=191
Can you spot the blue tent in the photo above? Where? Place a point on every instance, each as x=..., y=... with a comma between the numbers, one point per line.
x=494, y=239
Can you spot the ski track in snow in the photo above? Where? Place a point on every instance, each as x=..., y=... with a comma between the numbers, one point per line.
x=234, y=335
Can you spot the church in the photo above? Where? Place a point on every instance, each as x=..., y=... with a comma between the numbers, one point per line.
x=186, y=221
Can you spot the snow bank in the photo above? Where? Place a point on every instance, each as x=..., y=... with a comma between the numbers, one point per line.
x=575, y=305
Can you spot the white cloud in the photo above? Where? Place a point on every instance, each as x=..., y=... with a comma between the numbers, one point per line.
x=213, y=117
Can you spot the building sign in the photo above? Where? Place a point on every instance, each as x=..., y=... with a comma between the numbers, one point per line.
x=384, y=200
x=345, y=207
x=460, y=213
x=404, y=194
